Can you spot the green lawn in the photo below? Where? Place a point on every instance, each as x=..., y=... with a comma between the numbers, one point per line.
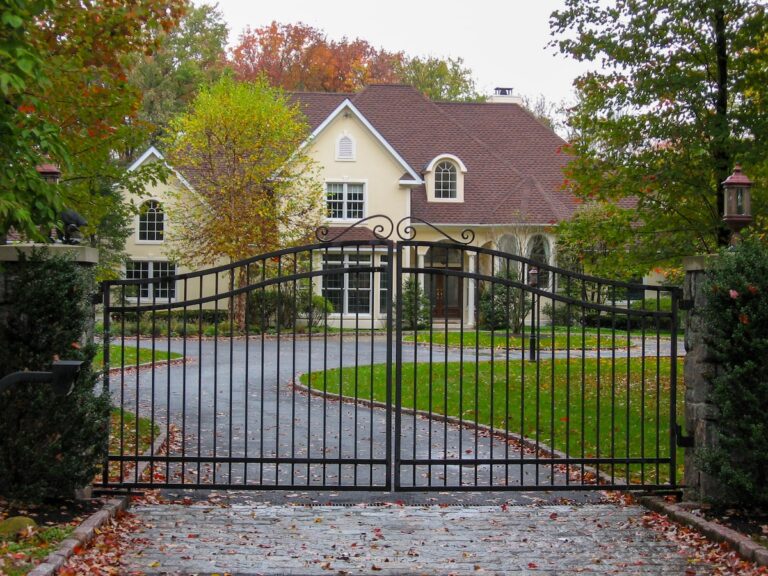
x=144, y=356
x=567, y=415
x=133, y=435
x=498, y=339
x=18, y=557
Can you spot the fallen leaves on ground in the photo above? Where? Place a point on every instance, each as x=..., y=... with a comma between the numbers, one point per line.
x=102, y=556
x=702, y=551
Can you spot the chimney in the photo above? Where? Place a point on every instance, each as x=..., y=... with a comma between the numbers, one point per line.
x=504, y=95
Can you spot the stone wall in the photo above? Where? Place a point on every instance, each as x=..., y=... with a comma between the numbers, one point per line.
x=700, y=415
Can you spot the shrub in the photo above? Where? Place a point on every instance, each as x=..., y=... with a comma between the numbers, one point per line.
x=736, y=318
x=49, y=445
x=499, y=307
x=315, y=309
x=416, y=306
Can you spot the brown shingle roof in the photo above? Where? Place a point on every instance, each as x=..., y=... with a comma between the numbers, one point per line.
x=514, y=163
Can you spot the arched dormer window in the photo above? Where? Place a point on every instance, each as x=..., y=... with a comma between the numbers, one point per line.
x=445, y=180
x=345, y=148
x=151, y=222
x=444, y=177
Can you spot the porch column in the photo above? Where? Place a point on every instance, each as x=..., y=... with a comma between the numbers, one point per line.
x=470, y=322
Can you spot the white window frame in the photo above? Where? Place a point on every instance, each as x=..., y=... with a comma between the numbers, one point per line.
x=429, y=178
x=138, y=239
x=353, y=155
x=345, y=272
x=150, y=287
x=345, y=185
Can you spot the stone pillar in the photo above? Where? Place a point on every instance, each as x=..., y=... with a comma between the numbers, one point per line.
x=9, y=256
x=700, y=414
x=470, y=322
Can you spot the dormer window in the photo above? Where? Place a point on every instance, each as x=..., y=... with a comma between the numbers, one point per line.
x=345, y=148
x=444, y=179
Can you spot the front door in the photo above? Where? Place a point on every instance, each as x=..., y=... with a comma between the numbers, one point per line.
x=447, y=296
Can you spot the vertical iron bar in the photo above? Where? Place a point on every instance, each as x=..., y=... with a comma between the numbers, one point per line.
x=232, y=319
x=168, y=391
x=278, y=323
x=153, y=290
x=106, y=336
x=262, y=383
x=613, y=384
x=246, y=395
x=398, y=367
x=673, y=393
x=199, y=379
x=184, y=389
x=295, y=311
x=310, y=379
x=215, y=373
x=568, y=312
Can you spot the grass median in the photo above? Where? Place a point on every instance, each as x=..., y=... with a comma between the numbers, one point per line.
x=584, y=407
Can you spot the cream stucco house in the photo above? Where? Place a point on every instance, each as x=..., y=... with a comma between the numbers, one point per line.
x=491, y=167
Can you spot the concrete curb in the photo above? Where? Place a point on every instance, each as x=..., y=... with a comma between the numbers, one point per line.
x=80, y=537
x=744, y=545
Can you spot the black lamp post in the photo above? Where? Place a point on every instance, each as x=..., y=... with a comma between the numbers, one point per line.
x=533, y=282
x=737, y=205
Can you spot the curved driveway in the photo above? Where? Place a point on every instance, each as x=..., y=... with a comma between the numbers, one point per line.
x=243, y=423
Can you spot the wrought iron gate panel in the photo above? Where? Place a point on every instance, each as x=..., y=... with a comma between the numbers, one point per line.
x=562, y=383
x=391, y=362
x=238, y=408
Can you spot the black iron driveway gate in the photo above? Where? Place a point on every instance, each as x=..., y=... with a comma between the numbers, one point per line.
x=373, y=360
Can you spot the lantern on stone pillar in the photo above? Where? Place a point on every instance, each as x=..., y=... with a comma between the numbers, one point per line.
x=737, y=209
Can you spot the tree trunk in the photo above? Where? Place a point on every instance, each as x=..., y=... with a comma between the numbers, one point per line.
x=722, y=135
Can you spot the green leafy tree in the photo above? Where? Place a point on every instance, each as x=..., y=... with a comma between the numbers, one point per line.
x=255, y=187
x=442, y=80
x=190, y=55
x=673, y=98
x=89, y=100
x=27, y=137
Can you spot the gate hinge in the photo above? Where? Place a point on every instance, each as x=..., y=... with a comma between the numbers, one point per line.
x=686, y=305
x=682, y=440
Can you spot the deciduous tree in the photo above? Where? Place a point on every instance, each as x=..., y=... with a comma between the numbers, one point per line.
x=440, y=80
x=191, y=54
x=673, y=99
x=300, y=57
x=27, y=137
x=255, y=187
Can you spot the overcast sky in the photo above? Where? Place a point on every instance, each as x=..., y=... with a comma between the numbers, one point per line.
x=503, y=42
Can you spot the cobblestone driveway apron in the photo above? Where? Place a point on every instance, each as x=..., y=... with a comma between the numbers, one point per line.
x=393, y=539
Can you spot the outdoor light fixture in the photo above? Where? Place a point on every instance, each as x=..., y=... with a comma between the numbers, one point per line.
x=533, y=282
x=49, y=172
x=737, y=208
x=62, y=375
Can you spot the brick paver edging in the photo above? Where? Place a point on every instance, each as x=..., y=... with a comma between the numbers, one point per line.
x=80, y=537
x=744, y=545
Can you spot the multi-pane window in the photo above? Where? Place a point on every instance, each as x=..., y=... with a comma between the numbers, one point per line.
x=348, y=291
x=445, y=180
x=151, y=221
x=345, y=201
x=144, y=269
